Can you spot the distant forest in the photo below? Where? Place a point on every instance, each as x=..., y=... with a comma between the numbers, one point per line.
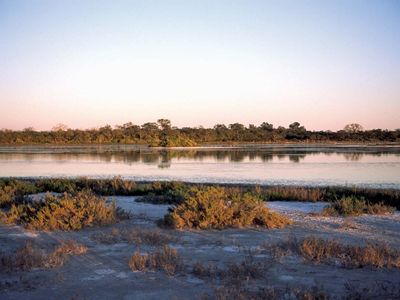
x=163, y=134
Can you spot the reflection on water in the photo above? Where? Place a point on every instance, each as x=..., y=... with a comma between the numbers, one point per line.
x=164, y=157
x=263, y=164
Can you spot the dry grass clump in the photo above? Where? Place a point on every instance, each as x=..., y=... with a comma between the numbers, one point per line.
x=66, y=212
x=320, y=250
x=165, y=258
x=288, y=193
x=217, y=207
x=201, y=270
x=29, y=256
x=233, y=274
x=331, y=251
x=153, y=237
x=349, y=225
x=353, y=206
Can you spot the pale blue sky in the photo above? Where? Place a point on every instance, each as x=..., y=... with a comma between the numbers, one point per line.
x=90, y=63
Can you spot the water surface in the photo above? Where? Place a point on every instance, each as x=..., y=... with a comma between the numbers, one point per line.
x=301, y=165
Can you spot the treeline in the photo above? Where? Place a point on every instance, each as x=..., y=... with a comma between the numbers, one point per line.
x=162, y=133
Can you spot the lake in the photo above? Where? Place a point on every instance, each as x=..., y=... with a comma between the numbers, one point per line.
x=372, y=166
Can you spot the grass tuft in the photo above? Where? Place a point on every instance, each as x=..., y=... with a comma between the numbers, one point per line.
x=165, y=258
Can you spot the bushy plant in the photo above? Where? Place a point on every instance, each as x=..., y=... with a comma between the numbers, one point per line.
x=66, y=212
x=12, y=190
x=217, y=207
x=353, y=206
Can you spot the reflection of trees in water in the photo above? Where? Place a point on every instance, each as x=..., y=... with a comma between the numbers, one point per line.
x=163, y=158
x=265, y=157
x=296, y=157
x=353, y=156
x=237, y=156
x=150, y=157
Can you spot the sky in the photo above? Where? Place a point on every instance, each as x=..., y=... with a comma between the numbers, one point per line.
x=90, y=63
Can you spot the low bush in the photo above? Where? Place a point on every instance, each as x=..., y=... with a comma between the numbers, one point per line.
x=320, y=250
x=165, y=258
x=66, y=212
x=30, y=256
x=12, y=191
x=353, y=206
x=217, y=207
x=332, y=251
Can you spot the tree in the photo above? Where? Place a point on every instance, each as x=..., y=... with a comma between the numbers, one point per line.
x=296, y=126
x=353, y=128
x=296, y=131
x=165, y=124
x=60, y=127
x=266, y=126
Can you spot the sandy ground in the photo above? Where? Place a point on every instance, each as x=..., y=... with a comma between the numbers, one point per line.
x=103, y=272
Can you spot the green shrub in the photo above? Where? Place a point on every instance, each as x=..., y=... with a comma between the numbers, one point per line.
x=64, y=212
x=217, y=207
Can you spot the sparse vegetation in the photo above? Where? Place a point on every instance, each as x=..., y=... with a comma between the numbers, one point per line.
x=232, y=273
x=319, y=250
x=66, y=212
x=352, y=206
x=216, y=207
x=153, y=237
x=30, y=256
x=166, y=259
x=172, y=192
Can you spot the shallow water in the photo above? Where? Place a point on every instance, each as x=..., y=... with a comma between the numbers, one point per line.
x=301, y=165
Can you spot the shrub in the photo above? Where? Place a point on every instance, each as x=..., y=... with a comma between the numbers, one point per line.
x=353, y=206
x=217, y=207
x=7, y=194
x=166, y=259
x=64, y=212
x=139, y=262
x=12, y=190
x=320, y=250
x=30, y=256
x=332, y=251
